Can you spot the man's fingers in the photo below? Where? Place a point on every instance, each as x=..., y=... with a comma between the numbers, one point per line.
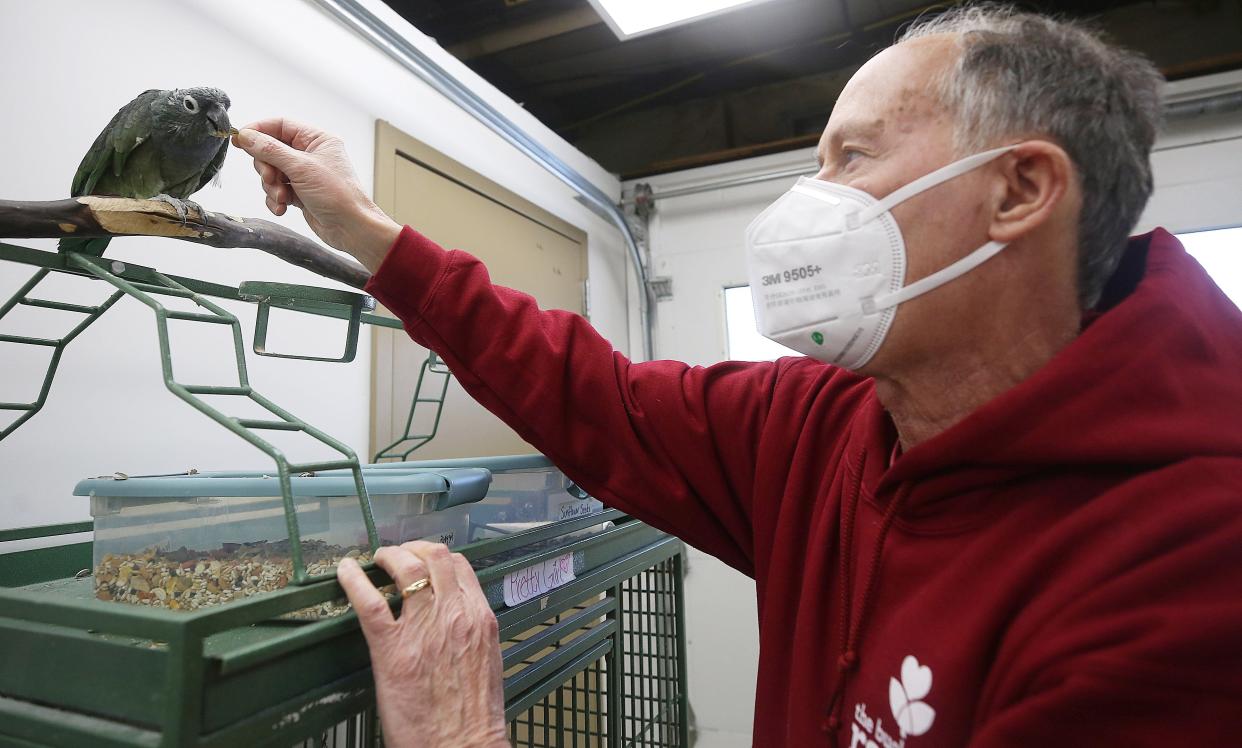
x=273, y=126
x=276, y=207
x=289, y=131
x=281, y=193
x=404, y=568
x=469, y=583
x=269, y=174
x=369, y=603
x=439, y=564
x=269, y=150
x=466, y=578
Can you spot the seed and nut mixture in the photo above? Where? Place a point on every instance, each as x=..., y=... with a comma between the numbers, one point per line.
x=187, y=580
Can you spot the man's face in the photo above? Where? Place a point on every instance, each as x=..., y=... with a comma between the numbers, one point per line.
x=887, y=129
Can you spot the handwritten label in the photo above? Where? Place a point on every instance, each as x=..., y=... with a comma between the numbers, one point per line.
x=447, y=537
x=571, y=509
x=540, y=579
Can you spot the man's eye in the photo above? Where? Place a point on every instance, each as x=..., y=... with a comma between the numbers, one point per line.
x=849, y=155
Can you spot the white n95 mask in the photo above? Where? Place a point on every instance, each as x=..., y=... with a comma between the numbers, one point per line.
x=827, y=265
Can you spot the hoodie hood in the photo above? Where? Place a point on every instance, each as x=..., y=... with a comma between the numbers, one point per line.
x=1154, y=379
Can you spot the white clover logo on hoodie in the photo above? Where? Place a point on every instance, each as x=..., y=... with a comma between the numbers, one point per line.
x=913, y=715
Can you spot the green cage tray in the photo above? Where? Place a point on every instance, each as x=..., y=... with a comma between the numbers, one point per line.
x=81, y=671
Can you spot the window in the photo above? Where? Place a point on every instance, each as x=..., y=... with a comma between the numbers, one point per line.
x=745, y=342
x=1220, y=253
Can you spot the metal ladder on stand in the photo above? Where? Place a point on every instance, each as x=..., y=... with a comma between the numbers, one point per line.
x=144, y=284
x=58, y=345
x=428, y=396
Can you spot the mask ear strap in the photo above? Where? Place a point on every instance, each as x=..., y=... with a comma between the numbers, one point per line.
x=935, y=280
x=927, y=181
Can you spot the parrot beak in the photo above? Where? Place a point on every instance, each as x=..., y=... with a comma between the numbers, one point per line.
x=219, y=119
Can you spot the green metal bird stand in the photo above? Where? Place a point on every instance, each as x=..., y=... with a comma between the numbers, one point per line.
x=147, y=285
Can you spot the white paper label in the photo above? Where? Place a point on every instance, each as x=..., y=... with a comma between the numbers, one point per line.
x=572, y=508
x=540, y=579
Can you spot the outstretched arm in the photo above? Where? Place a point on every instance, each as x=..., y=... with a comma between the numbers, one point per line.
x=671, y=444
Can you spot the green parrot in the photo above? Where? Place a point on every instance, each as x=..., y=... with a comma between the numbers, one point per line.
x=163, y=145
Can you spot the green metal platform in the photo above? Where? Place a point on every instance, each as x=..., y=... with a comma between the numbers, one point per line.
x=599, y=661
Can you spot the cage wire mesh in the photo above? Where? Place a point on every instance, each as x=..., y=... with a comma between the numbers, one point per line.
x=651, y=695
x=649, y=702
x=648, y=708
x=572, y=716
x=575, y=713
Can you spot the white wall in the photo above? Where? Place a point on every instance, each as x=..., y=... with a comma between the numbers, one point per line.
x=1198, y=164
x=698, y=241
x=69, y=66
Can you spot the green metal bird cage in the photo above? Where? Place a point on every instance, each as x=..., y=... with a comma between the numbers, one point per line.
x=169, y=657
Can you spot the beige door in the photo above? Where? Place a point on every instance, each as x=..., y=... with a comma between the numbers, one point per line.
x=523, y=246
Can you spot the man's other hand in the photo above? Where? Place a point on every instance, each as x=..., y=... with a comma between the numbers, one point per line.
x=438, y=677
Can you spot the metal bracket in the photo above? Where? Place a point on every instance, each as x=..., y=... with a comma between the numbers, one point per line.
x=662, y=287
x=644, y=201
x=294, y=296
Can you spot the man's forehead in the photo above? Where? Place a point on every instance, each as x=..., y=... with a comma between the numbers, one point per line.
x=858, y=124
x=900, y=72
x=893, y=89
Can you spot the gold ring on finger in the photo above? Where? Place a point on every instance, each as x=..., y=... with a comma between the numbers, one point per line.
x=415, y=587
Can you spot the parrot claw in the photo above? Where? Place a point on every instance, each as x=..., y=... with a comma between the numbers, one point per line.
x=181, y=206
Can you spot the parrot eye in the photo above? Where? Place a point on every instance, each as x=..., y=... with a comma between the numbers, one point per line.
x=190, y=104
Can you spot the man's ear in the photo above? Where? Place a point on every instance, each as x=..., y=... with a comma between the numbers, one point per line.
x=1037, y=175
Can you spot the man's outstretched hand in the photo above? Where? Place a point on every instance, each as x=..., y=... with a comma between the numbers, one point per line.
x=308, y=168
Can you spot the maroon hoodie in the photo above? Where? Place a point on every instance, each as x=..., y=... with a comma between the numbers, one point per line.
x=1062, y=567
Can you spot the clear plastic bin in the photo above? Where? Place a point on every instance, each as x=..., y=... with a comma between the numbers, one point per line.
x=526, y=491
x=189, y=541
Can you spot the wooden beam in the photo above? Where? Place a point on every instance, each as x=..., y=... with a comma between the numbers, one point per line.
x=527, y=33
x=93, y=216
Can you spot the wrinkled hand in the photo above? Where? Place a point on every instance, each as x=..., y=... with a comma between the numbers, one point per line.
x=308, y=168
x=437, y=667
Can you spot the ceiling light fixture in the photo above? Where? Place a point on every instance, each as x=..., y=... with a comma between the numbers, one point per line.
x=631, y=18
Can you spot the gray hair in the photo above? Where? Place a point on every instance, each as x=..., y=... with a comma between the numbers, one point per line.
x=1026, y=75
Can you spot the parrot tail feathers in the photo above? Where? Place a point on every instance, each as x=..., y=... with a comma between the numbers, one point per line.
x=94, y=247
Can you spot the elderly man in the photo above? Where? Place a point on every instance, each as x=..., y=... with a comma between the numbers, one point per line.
x=998, y=503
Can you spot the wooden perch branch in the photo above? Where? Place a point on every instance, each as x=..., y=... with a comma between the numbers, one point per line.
x=91, y=216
